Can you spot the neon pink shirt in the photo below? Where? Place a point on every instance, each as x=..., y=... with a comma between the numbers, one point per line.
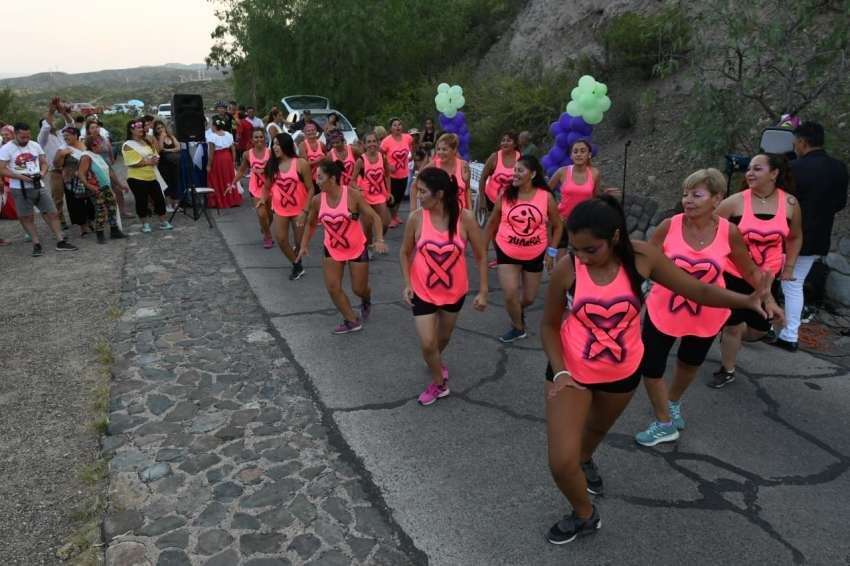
x=501, y=178
x=257, y=177
x=375, y=191
x=289, y=195
x=344, y=237
x=522, y=230
x=765, y=238
x=572, y=194
x=438, y=273
x=398, y=153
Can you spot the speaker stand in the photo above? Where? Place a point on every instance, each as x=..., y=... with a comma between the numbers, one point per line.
x=195, y=197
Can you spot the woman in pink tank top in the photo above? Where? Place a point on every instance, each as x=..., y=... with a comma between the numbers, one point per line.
x=575, y=183
x=769, y=219
x=311, y=148
x=595, y=354
x=498, y=172
x=372, y=177
x=447, y=159
x=397, y=147
x=701, y=244
x=433, y=264
x=524, y=229
x=341, y=151
x=254, y=160
x=288, y=187
x=338, y=208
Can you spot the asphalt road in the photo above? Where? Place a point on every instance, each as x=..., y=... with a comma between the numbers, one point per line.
x=759, y=476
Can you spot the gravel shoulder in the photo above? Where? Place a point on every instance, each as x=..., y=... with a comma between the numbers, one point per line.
x=54, y=311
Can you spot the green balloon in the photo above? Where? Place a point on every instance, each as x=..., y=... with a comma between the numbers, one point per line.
x=587, y=100
x=601, y=89
x=576, y=92
x=605, y=104
x=449, y=112
x=573, y=108
x=459, y=102
x=442, y=88
x=587, y=82
x=455, y=91
x=593, y=117
x=441, y=99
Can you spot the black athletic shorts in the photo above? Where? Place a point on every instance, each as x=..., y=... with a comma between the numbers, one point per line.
x=753, y=319
x=422, y=307
x=657, y=346
x=397, y=189
x=625, y=385
x=534, y=265
x=364, y=257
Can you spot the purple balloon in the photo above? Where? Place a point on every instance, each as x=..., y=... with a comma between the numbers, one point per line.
x=555, y=128
x=568, y=161
x=563, y=141
x=444, y=122
x=460, y=116
x=564, y=121
x=546, y=162
x=464, y=138
x=550, y=171
x=572, y=138
x=593, y=149
x=557, y=154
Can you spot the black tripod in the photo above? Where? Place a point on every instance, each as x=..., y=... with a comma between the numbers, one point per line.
x=197, y=202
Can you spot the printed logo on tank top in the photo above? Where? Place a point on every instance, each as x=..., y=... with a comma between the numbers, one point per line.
x=525, y=220
x=606, y=325
x=399, y=158
x=440, y=257
x=336, y=226
x=503, y=179
x=257, y=170
x=705, y=270
x=287, y=187
x=375, y=178
x=760, y=243
x=348, y=164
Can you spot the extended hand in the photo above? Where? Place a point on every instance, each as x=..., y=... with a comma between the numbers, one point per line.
x=407, y=296
x=480, y=301
x=380, y=247
x=564, y=382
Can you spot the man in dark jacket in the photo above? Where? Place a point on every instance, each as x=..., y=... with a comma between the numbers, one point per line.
x=822, y=191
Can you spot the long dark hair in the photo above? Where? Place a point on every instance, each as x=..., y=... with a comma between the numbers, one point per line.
x=438, y=180
x=332, y=168
x=603, y=217
x=129, y=137
x=785, y=178
x=538, y=179
x=287, y=147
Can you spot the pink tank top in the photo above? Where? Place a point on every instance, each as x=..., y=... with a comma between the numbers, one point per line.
x=375, y=189
x=398, y=152
x=765, y=238
x=601, y=338
x=348, y=162
x=344, y=237
x=501, y=178
x=314, y=156
x=438, y=274
x=257, y=178
x=289, y=195
x=673, y=314
x=461, y=184
x=573, y=194
x=522, y=230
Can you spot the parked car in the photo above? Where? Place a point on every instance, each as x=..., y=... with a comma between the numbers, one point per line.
x=163, y=111
x=320, y=108
x=122, y=108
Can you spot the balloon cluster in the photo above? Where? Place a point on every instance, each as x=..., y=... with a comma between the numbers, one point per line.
x=449, y=101
x=589, y=100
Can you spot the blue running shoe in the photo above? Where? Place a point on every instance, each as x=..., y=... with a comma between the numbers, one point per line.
x=676, y=414
x=513, y=334
x=656, y=434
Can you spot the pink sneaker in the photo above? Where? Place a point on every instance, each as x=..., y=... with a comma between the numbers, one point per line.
x=268, y=243
x=348, y=326
x=492, y=264
x=432, y=393
x=394, y=223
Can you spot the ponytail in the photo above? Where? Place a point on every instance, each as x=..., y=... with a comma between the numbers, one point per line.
x=332, y=168
x=603, y=217
x=436, y=180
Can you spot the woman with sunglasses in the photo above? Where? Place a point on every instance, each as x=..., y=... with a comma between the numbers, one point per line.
x=221, y=168
x=141, y=159
x=254, y=160
x=595, y=352
x=339, y=208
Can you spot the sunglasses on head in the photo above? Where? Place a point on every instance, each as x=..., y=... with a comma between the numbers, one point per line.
x=137, y=125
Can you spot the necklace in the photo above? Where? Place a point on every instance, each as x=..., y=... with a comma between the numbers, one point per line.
x=764, y=198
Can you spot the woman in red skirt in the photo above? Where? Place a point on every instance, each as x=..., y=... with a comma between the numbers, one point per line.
x=221, y=167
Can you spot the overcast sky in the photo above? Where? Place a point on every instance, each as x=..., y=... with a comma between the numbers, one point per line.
x=57, y=35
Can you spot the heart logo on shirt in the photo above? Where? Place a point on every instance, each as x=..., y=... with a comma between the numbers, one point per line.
x=705, y=270
x=606, y=325
x=440, y=258
x=399, y=157
x=336, y=226
x=763, y=244
x=375, y=177
x=286, y=187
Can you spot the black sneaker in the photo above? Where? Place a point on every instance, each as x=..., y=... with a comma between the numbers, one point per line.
x=116, y=234
x=807, y=315
x=567, y=529
x=65, y=246
x=594, y=480
x=101, y=237
x=769, y=336
x=785, y=345
x=721, y=378
x=297, y=272
x=37, y=250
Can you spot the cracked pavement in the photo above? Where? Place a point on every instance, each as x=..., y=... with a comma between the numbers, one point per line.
x=759, y=475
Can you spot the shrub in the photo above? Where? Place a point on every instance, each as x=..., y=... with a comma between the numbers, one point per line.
x=655, y=44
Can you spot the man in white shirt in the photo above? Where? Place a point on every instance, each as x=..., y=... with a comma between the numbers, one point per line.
x=23, y=161
x=51, y=142
x=252, y=117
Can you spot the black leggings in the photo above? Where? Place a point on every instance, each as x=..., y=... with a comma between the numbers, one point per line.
x=142, y=192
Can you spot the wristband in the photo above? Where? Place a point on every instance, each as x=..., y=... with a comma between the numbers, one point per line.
x=551, y=252
x=559, y=374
